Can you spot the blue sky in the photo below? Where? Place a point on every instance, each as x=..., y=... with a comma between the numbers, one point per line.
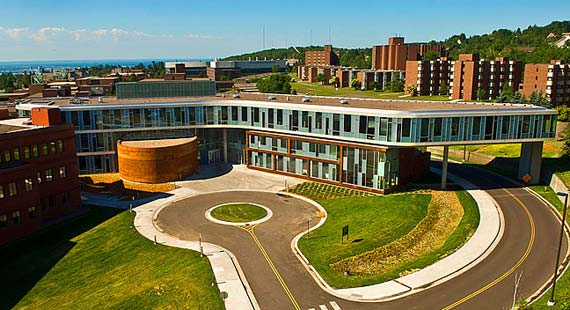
x=120, y=29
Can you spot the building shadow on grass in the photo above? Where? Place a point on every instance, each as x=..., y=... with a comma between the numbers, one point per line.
x=26, y=261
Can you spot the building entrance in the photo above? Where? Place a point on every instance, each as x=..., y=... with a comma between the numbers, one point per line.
x=214, y=157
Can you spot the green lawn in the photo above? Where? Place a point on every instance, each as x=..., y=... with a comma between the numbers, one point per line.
x=373, y=221
x=563, y=284
x=380, y=220
x=99, y=262
x=328, y=90
x=551, y=149
x=316, y=190
x=238, y=213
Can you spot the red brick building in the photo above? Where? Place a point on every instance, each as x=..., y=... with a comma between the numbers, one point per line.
x=552, y=80
x=326, y=57
x=394, y=55
x=429, y=77
x=464, y=77
x=38, y=174
x=471, y=74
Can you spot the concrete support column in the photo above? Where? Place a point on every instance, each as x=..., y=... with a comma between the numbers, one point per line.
x=225, y=134
x=530, y=161
x=444, y=167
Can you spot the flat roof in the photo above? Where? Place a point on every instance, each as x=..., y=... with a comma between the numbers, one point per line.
x=397, y=108
x=14, y=124
x=157, y=143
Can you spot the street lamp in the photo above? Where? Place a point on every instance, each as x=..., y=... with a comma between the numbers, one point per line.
x=551, y=301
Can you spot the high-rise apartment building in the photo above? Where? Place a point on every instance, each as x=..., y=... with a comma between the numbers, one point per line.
x=466, y=78
x=429, y=77
x=471, y=74
x=552, y=80
x=326, y=57
x=394, y=55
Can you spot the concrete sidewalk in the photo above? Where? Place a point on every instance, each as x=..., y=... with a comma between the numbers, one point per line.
x=228, y=275
x=483, y=241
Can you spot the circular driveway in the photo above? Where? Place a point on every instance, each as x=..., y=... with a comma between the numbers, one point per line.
x=185, y=219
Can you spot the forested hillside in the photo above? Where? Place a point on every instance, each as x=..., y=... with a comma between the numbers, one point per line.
x=530, y=45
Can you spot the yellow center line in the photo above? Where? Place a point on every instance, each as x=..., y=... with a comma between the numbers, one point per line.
x=249, y=229
x=514, y=267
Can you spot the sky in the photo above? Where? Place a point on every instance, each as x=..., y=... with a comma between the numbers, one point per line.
x=147, y=29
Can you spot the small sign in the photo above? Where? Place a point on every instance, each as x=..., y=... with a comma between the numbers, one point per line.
x=526, y=178
x=344, y=233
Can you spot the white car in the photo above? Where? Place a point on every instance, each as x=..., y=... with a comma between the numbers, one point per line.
x=271, y=98
x=306, y=99
x=235, y=96
x=343, y=101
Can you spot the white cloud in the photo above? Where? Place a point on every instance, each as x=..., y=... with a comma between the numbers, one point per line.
x=13, y=33
x=47, y=33
x=201, y=36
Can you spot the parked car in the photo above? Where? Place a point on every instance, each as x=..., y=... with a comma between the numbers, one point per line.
x=306, y=99
x=271, y=98
x=343, y=101
x=235, y=96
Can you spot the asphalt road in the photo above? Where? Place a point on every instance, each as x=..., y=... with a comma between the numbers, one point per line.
x=280, y=281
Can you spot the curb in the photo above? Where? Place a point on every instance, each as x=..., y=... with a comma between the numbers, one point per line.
x=407, y=290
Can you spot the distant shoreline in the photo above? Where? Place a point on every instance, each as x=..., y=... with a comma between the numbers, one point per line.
x=50, y=65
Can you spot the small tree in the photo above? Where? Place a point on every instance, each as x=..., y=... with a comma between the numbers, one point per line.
x=430, y=55
x=355, y=83
x=518, y=98
x=373, y=85
x=321, y=78
x=480, y=94
x=334, y=81
x=275, y=69
x=412, y=90
x=397, y=86
x=443, y=89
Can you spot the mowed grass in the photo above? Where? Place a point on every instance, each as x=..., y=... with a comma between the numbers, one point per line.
x=316, y=191
x=238, y=213
x=99, y=262
x=316, y=89
x=551, y=149
x=373, y=221
x=562, y=294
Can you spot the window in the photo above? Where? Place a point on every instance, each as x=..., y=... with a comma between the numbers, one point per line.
x=12, y=189
x=32, y=212
x=7, y=156
x=16, y=154
x=406, y=127
x=16, y=217
x=45, y=149
x=279, y=117
x=39, y=177
x=476, y=129
x=3, y=220
x=234, y=113
x=35, y=150
x=49, y=175
x=62, y=172
x=52, y=147
x=27, y=153
x=65, y=197
x=1, y=191
x=29, y=184
x=347, y=123
x=244, y=114
x=60, y=146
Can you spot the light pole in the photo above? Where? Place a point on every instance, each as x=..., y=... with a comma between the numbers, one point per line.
x=551, y=301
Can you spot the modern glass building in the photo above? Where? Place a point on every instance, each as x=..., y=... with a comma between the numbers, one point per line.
x=358, y=144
